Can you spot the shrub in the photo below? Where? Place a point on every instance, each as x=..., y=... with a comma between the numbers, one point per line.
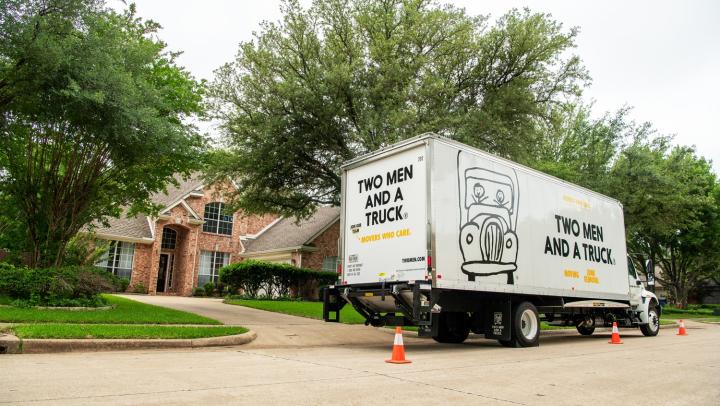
x=139, y=288
x=55, y=286
x=122, y=284
x=209, y=288
x=272, y=279
x=199, y=292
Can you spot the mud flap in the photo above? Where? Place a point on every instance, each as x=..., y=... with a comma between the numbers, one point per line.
x=498, y=320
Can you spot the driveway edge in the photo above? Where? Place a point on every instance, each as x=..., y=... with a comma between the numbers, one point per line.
x=14, y=345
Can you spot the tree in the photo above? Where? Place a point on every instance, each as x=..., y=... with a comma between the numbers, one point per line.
x=342, y=78
x=672, y=212
x=91, y=117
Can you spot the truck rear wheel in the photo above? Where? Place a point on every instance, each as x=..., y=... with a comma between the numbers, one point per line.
x=653, y=327
x=453, y=327
x=525, y=327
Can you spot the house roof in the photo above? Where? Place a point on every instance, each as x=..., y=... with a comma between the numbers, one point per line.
x=139, y=227
x=286, y=233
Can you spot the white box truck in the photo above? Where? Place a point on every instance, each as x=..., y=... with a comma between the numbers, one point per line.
x=454, y=240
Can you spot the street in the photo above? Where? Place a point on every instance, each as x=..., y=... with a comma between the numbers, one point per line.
x=566, y=369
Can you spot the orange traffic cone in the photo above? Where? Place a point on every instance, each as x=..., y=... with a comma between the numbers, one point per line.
x=398, y=353
x=615, y=339
x=681, y=329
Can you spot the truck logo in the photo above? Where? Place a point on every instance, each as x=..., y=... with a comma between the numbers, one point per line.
x=488, y=220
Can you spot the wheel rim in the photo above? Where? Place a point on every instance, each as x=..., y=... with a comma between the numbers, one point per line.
x=528, y=324
x=654, y=320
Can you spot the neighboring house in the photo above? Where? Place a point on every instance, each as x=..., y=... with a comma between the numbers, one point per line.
x=192, y=238
x=310, y=243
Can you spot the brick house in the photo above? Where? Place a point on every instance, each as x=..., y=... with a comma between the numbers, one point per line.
x=187, y=243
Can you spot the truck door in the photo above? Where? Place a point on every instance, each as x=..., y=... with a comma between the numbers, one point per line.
x=635, y=284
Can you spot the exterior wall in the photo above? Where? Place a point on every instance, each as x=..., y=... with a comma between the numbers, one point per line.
x=327, y=246
x=141, y=266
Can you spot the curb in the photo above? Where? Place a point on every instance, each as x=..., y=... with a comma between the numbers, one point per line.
x=10, y=344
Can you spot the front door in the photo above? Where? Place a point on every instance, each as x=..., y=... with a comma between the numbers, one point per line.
x=163, y=268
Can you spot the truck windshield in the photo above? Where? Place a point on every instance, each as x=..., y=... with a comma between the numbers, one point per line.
x=631, y=269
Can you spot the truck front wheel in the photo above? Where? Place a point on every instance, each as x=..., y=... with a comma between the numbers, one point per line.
x=653, y=327
x=453, y=327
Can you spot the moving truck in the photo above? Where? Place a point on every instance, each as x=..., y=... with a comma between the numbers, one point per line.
x=454, y=240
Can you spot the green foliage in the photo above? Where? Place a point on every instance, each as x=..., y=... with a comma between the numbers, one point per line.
x=84, y=249
x=209, y=289
x=124, y=311
x=199, y=292
x=92, y=111
x=63, y=286
x=339, y=79
x=122, y=284
x=273, y=279
x=139, y=287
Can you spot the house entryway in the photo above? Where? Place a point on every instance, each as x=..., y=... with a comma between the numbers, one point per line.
x=165, y=273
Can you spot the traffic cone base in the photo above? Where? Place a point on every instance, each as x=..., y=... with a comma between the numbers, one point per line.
x=681, y=328
x=615, y=338
x=398, y=352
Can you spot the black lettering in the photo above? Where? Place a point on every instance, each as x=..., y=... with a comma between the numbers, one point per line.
x=558, y=219
x=575, y=228
x=548, y=245
x=576, y=252
x=398, y=195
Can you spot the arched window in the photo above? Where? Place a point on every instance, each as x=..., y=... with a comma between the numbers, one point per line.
x=169, y=238
x=216, y=220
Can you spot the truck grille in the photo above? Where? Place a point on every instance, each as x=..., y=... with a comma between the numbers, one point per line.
x=492, y=242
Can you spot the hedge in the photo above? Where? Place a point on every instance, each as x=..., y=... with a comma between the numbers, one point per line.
x=252, y=276
x=56, y=286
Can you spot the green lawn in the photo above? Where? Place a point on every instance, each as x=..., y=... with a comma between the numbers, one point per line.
x=312, y=310
x=104, y=331
x=126, y=311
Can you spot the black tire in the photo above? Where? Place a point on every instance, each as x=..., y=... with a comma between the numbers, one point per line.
x=653, y=327
x=585, y=328
x=526, y=325
x=453, y=327
x=512, y=343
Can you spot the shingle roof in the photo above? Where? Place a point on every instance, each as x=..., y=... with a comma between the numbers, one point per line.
x=138, y=227
x=174, y=193
x=133, y=227
x=286, y=233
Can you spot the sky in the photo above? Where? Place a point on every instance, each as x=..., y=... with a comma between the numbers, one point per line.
x=660, y=57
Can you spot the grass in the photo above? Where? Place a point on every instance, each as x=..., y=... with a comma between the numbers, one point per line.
x=106, y=331
x=312, y=310
x=5, y=300
x=126, y=311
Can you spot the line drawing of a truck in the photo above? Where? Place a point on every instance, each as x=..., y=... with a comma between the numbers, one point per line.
x=488, y=220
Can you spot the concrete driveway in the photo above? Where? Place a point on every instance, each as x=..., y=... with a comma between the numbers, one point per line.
x=275, y=329
x=567, y=369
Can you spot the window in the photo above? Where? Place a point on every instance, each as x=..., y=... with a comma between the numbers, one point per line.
x=216, y=221
x=169, y=238
x=210, y=264
x=330, y=264
x=118, y=259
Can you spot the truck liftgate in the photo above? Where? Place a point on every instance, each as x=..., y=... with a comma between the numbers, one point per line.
x=384, y=304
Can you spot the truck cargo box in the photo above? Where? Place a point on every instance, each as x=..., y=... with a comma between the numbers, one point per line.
x=434, y=209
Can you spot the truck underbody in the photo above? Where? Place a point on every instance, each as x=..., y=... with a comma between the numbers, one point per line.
x=449, y=315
